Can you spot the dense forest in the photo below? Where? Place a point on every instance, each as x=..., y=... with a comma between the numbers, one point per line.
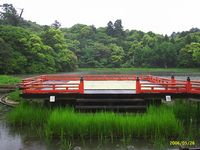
x=27, y=47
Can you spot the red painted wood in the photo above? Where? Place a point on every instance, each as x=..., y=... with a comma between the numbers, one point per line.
x=138, y=86
x=60, y=84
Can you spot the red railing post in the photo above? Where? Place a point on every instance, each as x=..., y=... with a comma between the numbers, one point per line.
x=188, y=85
x=173, y=80
x=81, y=85
x=150, y=78
x=54, y=87
x=138, y=85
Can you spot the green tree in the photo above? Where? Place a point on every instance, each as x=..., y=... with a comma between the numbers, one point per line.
x=25, y=51
x=149, y=40
x=110, y=28
x=55, y=39
x=185, y=58
x=67, y=60
x=164, y=55
x=196, y=53
x=87, y=32
x=190, y=55
x=39, y=56
x=118, y=28
x=9, y=60
x=9, y=15
x=56, y=24
x=134, y=55
x=117, y=55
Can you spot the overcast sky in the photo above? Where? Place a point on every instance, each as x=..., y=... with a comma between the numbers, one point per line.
x=159, y=16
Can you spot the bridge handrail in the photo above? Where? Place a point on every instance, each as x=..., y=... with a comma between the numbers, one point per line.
x=36, y=84
x=39, y=86
x=164, y=85
x=157, y=84
x=53, y=88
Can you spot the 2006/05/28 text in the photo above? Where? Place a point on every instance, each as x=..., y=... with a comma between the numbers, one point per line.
x=181, y=143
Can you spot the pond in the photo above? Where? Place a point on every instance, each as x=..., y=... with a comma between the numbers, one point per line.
x=12, y=138
x=25, y=138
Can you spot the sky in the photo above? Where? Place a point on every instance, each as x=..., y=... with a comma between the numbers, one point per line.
x=159, y=16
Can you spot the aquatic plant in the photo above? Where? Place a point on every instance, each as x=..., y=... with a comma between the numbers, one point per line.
x=157, y=121
x=188, y=112
x=28, y=115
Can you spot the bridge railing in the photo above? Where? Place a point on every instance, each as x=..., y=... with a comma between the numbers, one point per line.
x=195, y=87
x=56, y=83
x=32, y=80
x=42, y=85
x=61, y=84
x=163, y=85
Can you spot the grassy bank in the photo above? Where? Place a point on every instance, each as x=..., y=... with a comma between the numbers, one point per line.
x=123, y=70
x=8, y=80
x=15, y=96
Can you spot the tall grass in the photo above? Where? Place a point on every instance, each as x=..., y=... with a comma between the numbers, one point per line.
x=157, y=121
x=163, y=121
x=188, y=112
x=28, y=115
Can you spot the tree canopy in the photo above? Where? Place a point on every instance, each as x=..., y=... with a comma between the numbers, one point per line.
x=27, y=47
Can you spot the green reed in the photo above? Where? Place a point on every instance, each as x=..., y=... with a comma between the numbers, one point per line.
x=28, y=115
x=160, y=124
x=157, y=121
x=188, y=112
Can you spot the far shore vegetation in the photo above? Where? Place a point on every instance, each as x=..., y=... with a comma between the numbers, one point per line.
x=134, y=69
x=30, y=48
